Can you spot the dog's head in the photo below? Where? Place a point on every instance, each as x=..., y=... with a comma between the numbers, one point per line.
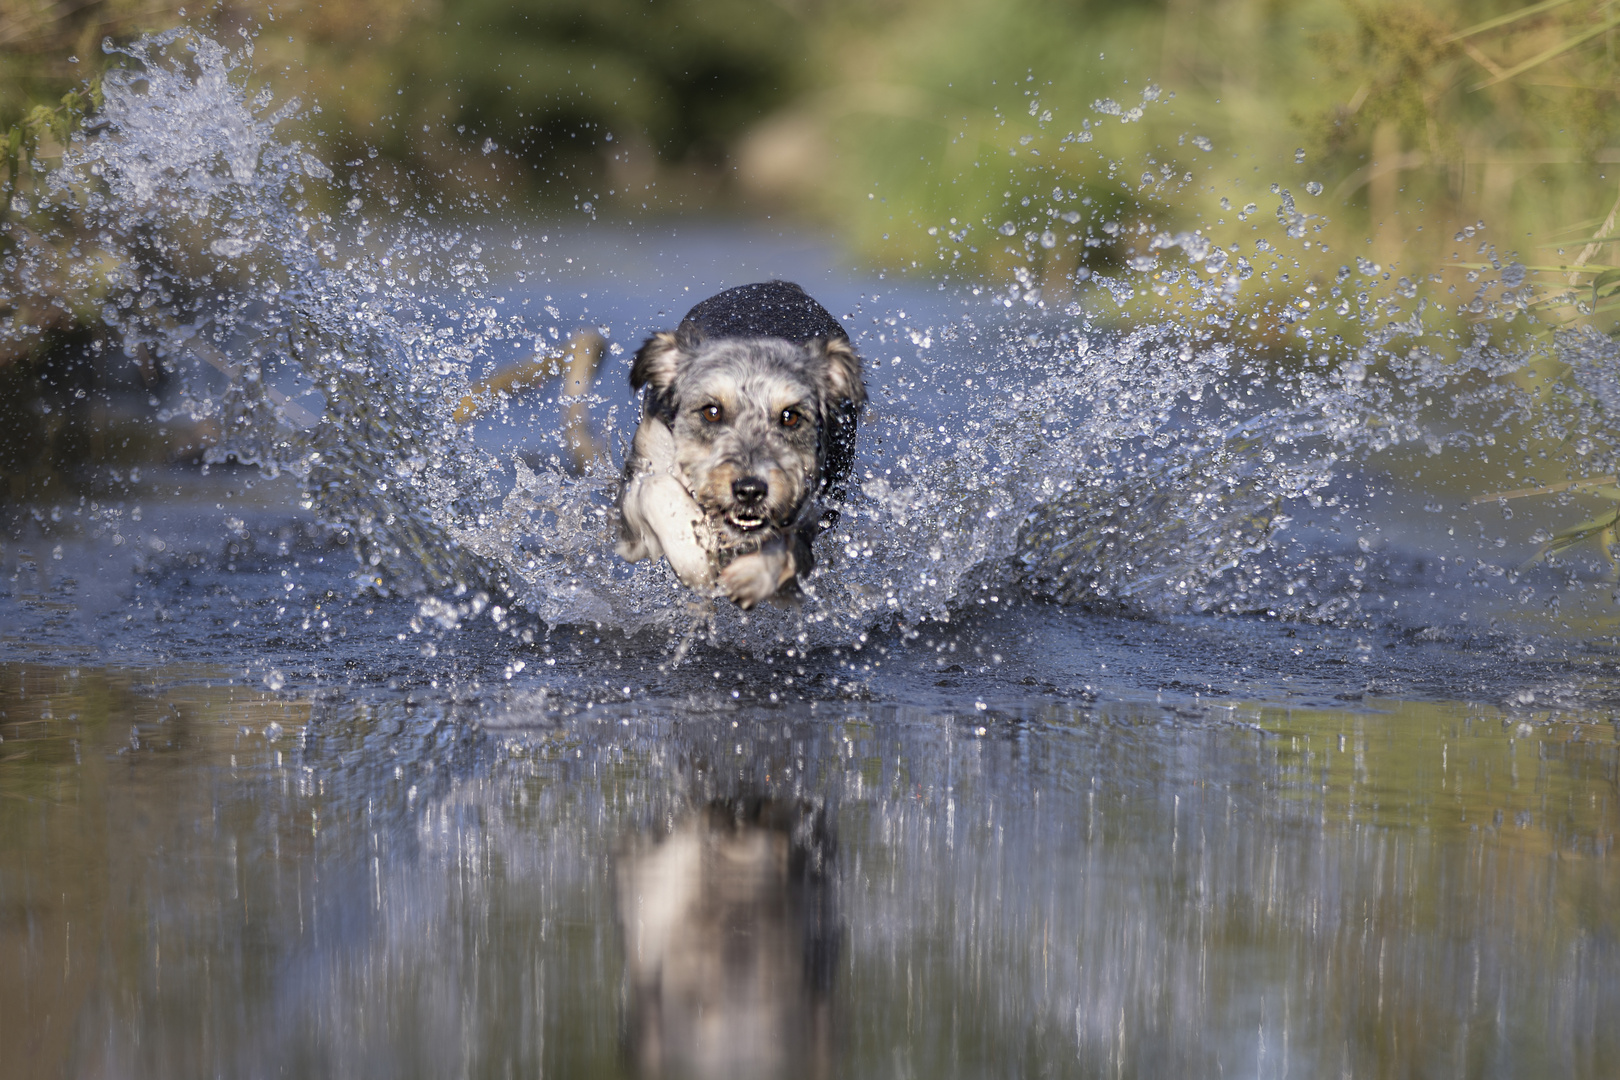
x=754, y=420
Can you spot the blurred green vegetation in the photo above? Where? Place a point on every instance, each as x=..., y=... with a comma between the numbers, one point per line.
x=556, y=100
x=1419, y=121
x=889, y=119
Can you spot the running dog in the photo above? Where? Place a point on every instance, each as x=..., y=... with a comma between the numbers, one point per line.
x=747, y=436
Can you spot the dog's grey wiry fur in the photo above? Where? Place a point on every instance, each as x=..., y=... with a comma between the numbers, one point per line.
x=749, y=410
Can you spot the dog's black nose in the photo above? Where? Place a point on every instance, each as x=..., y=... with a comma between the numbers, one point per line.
x=748, y=490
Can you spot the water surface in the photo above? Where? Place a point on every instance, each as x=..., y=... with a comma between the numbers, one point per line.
x=1037, y=841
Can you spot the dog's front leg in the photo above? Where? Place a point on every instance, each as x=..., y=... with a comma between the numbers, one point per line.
x=662, y=518
x=658, y=515
x=759, y=574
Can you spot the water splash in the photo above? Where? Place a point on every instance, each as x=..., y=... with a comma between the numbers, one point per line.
x=1022, y=450
x=328, y=366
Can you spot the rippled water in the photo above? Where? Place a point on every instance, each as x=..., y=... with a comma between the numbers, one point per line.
x=202, y=877
x=1158, y=708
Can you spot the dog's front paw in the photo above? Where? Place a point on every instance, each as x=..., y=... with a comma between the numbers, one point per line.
x=635, y=550
x=754, y=577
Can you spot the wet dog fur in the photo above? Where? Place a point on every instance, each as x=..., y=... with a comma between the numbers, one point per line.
x=749, y=410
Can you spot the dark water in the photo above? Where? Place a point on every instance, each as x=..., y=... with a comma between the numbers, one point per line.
x=249, y=826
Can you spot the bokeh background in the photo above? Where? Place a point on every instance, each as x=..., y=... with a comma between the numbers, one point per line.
x=1465, y=111
x=1035, y=140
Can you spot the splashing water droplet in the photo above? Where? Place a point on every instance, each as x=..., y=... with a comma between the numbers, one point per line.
x=230, y=247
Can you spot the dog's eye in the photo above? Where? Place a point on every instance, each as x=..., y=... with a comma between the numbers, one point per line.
x=711, y=413
x=790, y=419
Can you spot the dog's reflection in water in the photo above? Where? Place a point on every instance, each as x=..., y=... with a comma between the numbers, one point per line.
x=731, y=942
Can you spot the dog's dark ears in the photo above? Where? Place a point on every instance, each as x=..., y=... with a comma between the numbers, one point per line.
x=843, y=370
x=846, y=394
x=656, y=362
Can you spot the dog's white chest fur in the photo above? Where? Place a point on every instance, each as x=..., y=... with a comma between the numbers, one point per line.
x=661, y=516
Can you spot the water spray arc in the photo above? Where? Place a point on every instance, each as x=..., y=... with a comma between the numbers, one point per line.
x=1026, y=448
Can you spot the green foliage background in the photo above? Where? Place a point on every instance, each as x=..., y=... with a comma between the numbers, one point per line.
x=812, y=106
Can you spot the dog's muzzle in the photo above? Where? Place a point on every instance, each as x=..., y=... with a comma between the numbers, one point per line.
x=747, y=512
